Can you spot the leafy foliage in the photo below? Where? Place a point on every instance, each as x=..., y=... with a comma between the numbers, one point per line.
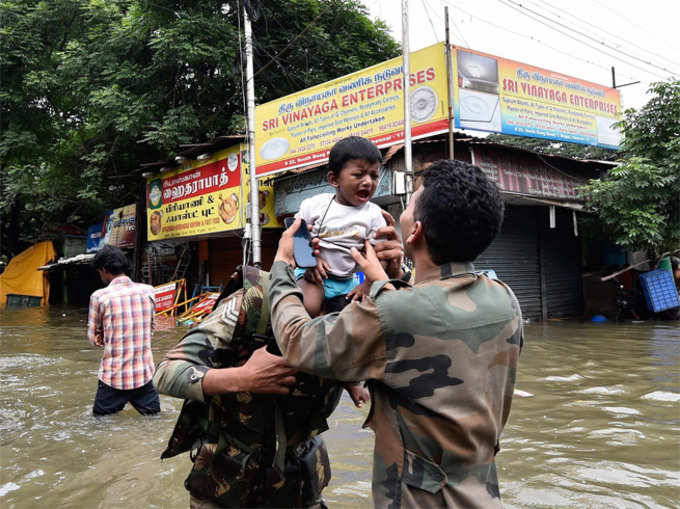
x=639, y=201
x=92, y=88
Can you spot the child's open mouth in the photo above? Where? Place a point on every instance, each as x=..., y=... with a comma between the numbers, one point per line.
x=364, y=195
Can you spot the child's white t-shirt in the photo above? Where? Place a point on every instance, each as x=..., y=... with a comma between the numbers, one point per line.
x=343, y=227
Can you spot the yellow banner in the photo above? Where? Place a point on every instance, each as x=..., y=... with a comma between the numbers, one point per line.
x=268, y=218
x=301, y=128
x=503, y=96
x=200, y=197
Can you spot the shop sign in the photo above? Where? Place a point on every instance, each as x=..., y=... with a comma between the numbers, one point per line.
x=301, y=128
x=525, y=174
x=165, y=296
x=94, y=237
x=503, y=96
x=205, y=304
x=199, y=198
x=119, y=228
x=265, y=186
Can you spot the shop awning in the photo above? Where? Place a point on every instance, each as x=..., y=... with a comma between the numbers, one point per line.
x=62, y=262
x=523, y=199
x=21, y=277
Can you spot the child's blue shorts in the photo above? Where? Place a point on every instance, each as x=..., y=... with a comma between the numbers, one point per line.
x=333, y=286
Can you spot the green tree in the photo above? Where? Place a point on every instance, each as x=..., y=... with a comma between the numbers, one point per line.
x=89, y=89
x=638, y=202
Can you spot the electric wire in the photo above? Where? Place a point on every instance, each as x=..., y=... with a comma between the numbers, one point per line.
x=518, y=6
x=600, y=29
x=243, y=84
x=456, y=28
x=427, y=11
x=531, y=38
x=630, y=22
x=460, y=32
x=566, y=34
x=309, y=25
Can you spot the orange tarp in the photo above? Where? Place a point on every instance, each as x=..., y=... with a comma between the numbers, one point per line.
x=22, y=276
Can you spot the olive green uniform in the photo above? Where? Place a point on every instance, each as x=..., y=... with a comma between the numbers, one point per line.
x=249, y=450
x=441, y=360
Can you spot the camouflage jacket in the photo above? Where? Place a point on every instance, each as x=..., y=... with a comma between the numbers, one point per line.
x=248, y=449
x=441, y=359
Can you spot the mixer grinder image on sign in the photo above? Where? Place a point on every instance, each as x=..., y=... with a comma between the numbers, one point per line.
x=478, y=93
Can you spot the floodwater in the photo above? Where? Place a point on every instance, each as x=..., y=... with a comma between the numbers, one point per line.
x=601, y=430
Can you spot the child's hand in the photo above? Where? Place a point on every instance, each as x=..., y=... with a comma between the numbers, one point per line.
x=358, y=394
x=321, y=267
x=359, y=292
x=318, y=273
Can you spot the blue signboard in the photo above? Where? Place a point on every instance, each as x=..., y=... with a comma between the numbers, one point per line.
x=94, y=236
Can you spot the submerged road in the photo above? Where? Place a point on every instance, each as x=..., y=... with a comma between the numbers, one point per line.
x=601, y=430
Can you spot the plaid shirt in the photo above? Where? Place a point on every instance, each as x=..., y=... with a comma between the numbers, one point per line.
x=123, y=315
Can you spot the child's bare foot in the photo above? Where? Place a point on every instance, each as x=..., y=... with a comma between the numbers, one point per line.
x=358, y=394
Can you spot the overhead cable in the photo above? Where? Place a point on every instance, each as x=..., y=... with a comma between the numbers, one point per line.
x=602, y=30
x=582, y=34
x=427, y=11
x=531, y=38
x=503, y=2
x=633, y=24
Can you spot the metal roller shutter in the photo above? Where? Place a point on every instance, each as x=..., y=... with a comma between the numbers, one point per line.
x=513, y=255
x=561, y=262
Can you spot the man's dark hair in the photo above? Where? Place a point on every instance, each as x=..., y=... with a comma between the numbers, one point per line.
x=352, y=147
x=461, y=211
x=112, y=259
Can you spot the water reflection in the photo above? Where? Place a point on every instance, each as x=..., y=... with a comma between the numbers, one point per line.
x=602, y=429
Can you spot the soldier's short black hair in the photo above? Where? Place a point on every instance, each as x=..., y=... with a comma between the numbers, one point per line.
x=352, y=147
x=461, y=211
x=112, y=259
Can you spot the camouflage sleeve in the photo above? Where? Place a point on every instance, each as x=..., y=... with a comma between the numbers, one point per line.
x=181, y=372
x=346, y=346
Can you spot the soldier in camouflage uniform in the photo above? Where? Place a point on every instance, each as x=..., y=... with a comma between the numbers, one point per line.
x=441, y=356
x=248, y=449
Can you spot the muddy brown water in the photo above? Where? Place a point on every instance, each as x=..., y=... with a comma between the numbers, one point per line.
x=602, y=429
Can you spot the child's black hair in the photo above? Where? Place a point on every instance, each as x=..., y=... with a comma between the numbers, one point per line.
x=352, y=147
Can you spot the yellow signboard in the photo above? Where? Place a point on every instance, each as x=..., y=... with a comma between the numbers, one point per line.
x=200, y=197
x=300, y=129
x=500, y=95
x=268, y=218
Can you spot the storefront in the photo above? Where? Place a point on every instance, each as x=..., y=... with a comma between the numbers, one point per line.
x=538, y=251
x=196, y=216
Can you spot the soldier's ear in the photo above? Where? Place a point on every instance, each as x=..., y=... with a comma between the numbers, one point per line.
x=416, y=235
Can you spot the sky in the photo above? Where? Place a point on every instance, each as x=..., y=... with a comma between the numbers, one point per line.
x=641, y=39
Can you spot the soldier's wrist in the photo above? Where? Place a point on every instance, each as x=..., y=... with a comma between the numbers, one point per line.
x=223, y=380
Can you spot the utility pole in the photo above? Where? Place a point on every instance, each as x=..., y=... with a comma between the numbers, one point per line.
x=449, y=81
x=250, y=101
x=407, y=99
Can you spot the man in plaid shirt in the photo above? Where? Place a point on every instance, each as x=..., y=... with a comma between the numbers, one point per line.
x=121, y=320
